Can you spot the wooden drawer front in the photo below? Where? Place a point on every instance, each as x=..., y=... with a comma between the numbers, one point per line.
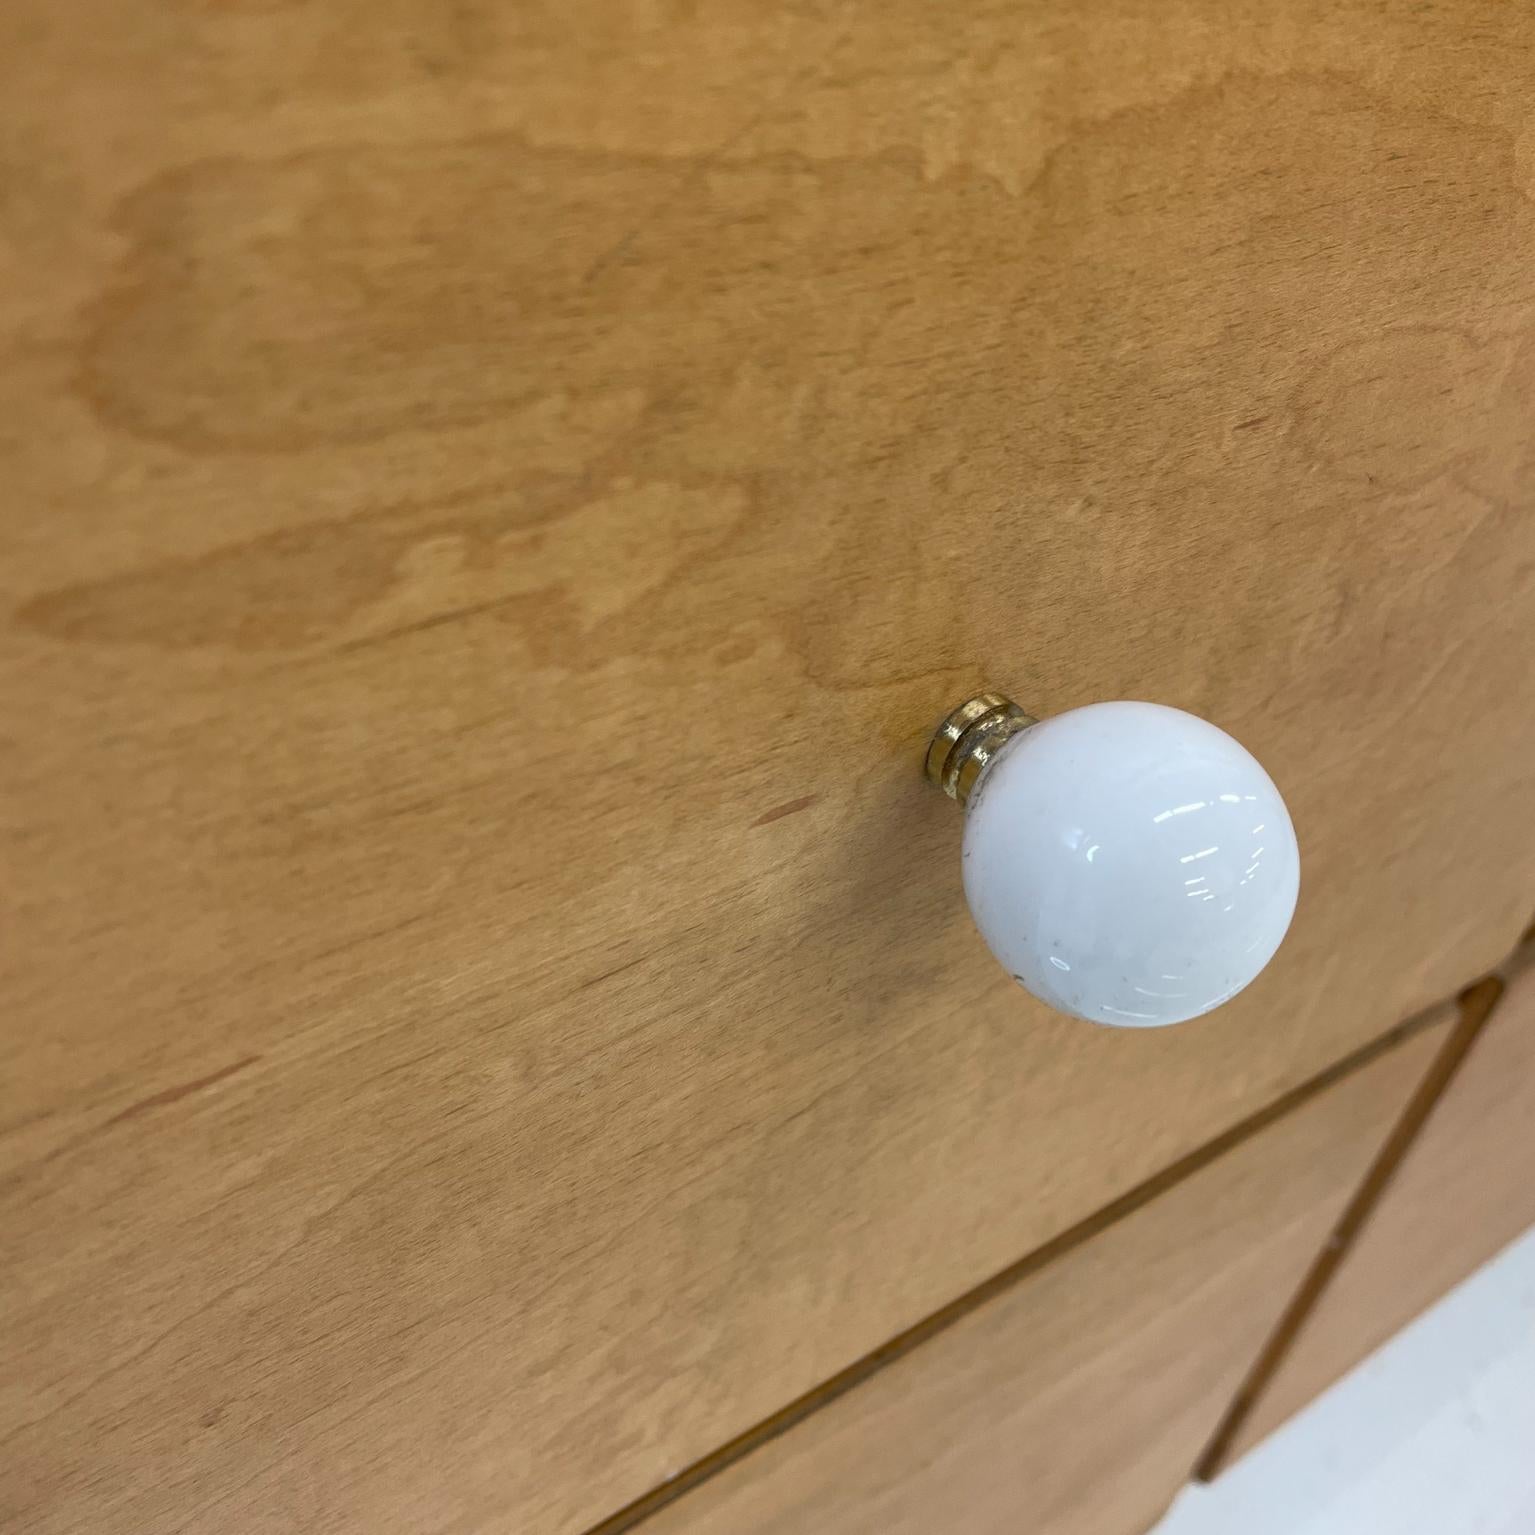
x=1461, y=1194
x=1077, y=1401
x=498, y=495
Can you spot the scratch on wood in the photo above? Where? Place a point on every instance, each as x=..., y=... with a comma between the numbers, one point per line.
x=607, y=975
x=793, y=807
x=173, y=1094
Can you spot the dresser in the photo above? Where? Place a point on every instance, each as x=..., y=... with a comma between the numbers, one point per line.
x=497, y=500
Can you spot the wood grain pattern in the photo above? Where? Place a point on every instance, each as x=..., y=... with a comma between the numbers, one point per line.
x=1076, y=1402
x=498, y=495
x=1462, y=1193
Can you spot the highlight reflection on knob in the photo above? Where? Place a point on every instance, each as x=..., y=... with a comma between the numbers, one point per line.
x=1126, y=862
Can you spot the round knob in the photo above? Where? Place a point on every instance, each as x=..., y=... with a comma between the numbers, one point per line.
x=1126, y=862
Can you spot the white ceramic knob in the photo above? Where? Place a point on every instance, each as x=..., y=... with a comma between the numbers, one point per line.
x=1126, y=862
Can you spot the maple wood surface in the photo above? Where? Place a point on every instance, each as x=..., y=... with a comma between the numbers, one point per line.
x=497, y=496
x=1076, y=1402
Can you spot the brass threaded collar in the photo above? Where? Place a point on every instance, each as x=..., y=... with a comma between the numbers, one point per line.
x=969, y=738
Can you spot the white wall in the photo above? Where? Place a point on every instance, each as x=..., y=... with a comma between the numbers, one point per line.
x=1434, y=1434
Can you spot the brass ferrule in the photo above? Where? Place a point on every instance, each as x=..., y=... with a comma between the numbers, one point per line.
x=969, y=738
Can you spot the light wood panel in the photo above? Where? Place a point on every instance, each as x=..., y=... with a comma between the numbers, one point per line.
x=1461, y=1194
x=496, y=497
x=1076, y=1402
